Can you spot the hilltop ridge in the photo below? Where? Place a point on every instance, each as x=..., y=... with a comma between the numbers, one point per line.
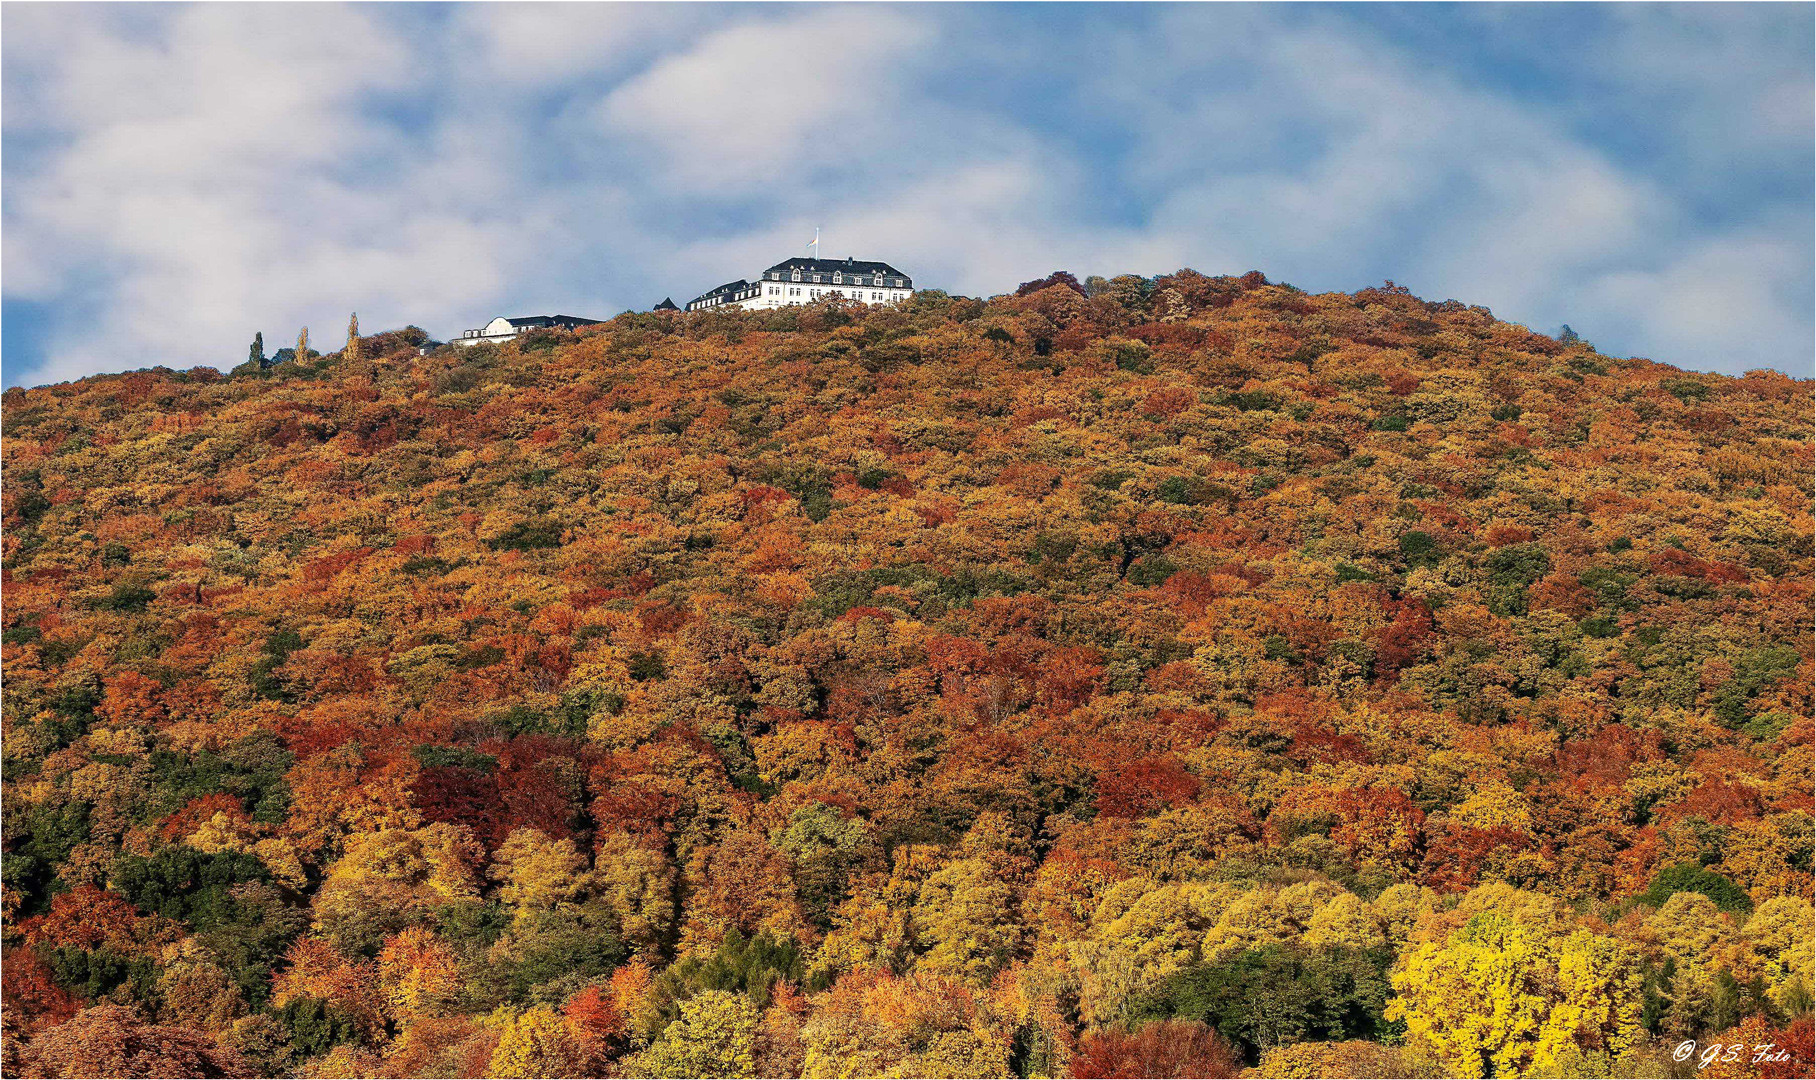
x=977, y=683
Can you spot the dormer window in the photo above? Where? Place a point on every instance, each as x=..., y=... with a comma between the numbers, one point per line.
x=796, y=276
x=835, y=278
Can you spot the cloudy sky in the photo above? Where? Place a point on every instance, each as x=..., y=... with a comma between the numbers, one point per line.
x=177, y=177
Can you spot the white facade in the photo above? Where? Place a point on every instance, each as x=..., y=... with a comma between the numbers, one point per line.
x=803, y=281
x=775, y=294
x=499, y=329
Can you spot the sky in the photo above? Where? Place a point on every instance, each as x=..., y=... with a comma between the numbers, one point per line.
x=174, y=178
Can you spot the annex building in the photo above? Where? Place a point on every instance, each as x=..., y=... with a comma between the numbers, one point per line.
x=504, y=329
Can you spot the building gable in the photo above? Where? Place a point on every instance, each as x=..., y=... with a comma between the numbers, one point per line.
x=838, y=272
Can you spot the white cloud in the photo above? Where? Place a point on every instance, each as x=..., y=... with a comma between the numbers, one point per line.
x=754, y=102
x=1728, y=302
x=224, y=195
x=1358, y=162
x=531, y=46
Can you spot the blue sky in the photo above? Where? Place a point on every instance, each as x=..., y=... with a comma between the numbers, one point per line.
x=177, y=177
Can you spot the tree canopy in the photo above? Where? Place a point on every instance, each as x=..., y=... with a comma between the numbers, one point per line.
x=1166, y=676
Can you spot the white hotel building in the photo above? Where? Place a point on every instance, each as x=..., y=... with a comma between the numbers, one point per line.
x=802, y=281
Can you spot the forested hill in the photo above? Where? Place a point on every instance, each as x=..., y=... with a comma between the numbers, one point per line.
x=1197, y=675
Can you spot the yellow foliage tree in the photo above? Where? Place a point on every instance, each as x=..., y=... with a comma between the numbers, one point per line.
x=1345, y=921
x=638, y=882
x=630, y=988
x=1400, y=909
x=966, y=915
x=1504, y=998
x=391, y=878
x=539, y=873
x=715, y=1036
x=1251, y=921
x=535, y=1043
x=1141, y=933
x=871, y=1024
x=1689, y=927
x=196, y=992
x=418, y=975
x=1355, y=1060
x=1597, y=1000
x=1783, y=929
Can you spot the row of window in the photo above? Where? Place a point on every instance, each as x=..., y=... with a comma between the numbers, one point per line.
x=727, y=298
x=838, y=279
x=778, y=290
x=814, y=294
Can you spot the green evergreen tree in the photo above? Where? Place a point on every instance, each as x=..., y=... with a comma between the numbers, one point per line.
x=256, y=355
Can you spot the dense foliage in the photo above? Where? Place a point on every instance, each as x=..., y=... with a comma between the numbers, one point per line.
x=1133, y=677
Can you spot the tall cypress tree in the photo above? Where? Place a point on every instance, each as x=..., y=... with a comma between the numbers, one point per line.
x=352, y=350
x=256, y=355
x=302, y=345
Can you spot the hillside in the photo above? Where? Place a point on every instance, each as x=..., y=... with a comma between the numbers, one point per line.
x=969, y=688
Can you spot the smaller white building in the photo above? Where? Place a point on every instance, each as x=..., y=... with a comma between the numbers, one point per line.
x=504, y=329
x=802, y=281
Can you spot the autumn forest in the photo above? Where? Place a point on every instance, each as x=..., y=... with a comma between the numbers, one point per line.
x=1188, y=676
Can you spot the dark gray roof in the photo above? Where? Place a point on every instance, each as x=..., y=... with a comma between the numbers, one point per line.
x=569, y=321
x=667, y=304
x=832, y=266
x=732, y=290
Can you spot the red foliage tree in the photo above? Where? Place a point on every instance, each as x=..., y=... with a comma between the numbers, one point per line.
x=1057, y=277
x=1162, y=1050
x=83, y=918
x=111, y=1041
x=1143, y=786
